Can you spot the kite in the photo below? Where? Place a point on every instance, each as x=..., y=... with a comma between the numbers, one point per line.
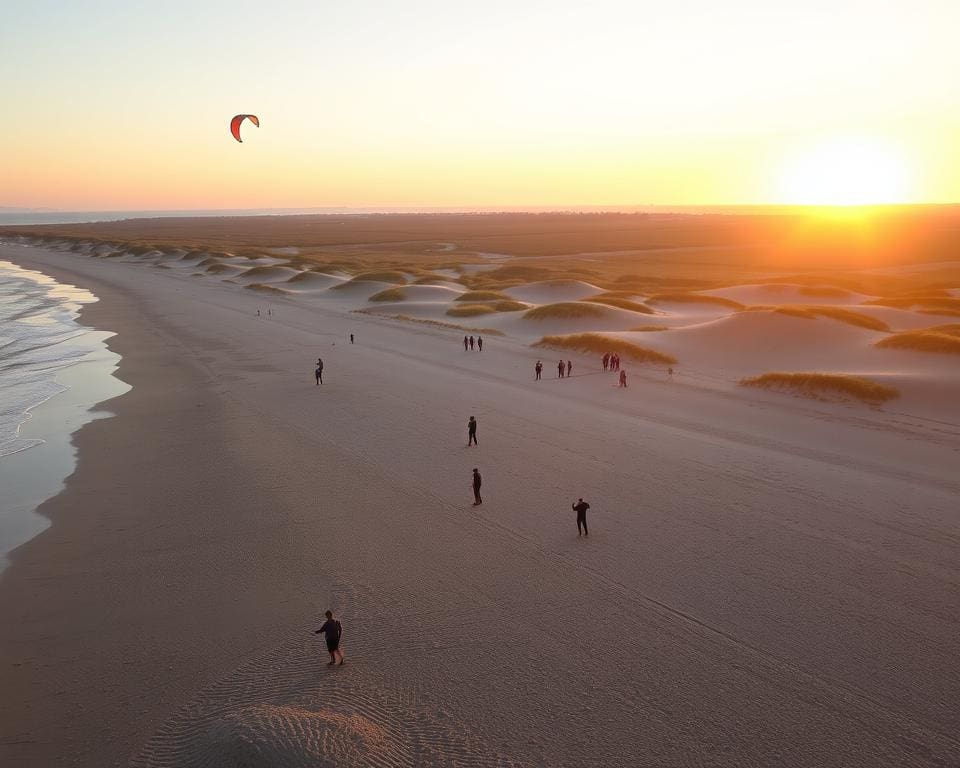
x=235, y=124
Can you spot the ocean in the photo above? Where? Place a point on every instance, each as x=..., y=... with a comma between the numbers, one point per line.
x=52, y=372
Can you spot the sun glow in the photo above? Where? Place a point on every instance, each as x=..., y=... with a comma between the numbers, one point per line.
x=849, y=172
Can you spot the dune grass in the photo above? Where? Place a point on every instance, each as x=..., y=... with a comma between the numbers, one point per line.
x=925, y=302
x=266, y=288
x=600, y=344
x=650, y=328
x=940, y=339
x=620, y=303
x=823, y=386
x=565, y=310
x=698, y=298
x=476, y=297
x=834, y=313
x=471, y=310
x=434, y=323
x=850, y=317
x=509, y=305
x=382, y=276
x=389, y=294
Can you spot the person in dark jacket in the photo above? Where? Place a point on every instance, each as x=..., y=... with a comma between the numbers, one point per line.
x=333, y=631
x=569, y=368
x=581, y=508
x=319, y=372
x=471, y=343
x=476, y=487
x=480, y=343
x=561, y=367
x=538, y=368
x=472, y=431
x=466, y=343
x=623, y=378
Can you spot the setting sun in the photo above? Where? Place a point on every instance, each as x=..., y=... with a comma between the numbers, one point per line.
x=848, y=172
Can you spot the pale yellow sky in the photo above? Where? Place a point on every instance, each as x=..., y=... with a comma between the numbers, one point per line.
x=126, y=105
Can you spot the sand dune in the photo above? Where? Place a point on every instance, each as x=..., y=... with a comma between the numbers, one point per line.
x=266, y=274
x=781, y=293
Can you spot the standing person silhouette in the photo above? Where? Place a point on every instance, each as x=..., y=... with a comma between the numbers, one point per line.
x=623, y=378
x=561, y=367
x=581, y=508
x=539, y=369
x=480, y=343
x=351, y=338
x=319, y=372
x=606, y=360
x=472, y=432
x=466, y=343
x=333, y=631
x=471, y=342
x=569, y=368
x=476, y=487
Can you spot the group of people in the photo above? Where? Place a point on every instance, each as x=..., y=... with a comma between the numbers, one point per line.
x=611, y=361
x=469, y=342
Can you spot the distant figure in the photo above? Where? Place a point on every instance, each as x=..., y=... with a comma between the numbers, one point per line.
x=623, y=378
x=471, y=342
x=466, y=343
x=539, y=369
x=606, y=360
x=618, y=362
x=319, y=372
x=476, y=487
x=581, y=508
x=561, y=367
x=614, y=362
x=333, y=631
x=569, y=368
x=472, y=432
x=258, y=311
x=269, y=311
x=670, y=371
x=480, y=343
x=351, y=338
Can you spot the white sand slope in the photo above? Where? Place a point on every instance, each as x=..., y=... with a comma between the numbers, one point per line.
x=785, y=293
x=552, y=291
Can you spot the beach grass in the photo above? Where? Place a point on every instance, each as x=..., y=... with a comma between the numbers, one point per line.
x=389, y=294
x=621, y=303
x=941, y=339
x=565, y=310
x=471, y=310
x=433, y=323
x=600, y=344
x=824, y=386
x=694, y=298
x=474, y=297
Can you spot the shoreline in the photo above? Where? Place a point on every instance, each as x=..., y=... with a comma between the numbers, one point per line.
x=739, y=562
x=88, y=561
x=87, y=385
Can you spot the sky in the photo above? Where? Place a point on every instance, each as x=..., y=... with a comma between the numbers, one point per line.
x=126, y=105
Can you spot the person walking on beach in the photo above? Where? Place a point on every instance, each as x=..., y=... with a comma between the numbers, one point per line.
x=569, y=368
x=606, y=360
x=480, y=343
x=477, y=501
x=472, y=432
x=471, y=343
x=319, y=372
x=351, y=338
x=623, y=378
x=466, y=343
x=539, y=369
x=561, y=367
x=670, y=372
x=333, y=631
x=581, y=508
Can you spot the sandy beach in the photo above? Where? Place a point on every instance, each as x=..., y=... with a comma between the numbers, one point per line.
x=768, y=580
